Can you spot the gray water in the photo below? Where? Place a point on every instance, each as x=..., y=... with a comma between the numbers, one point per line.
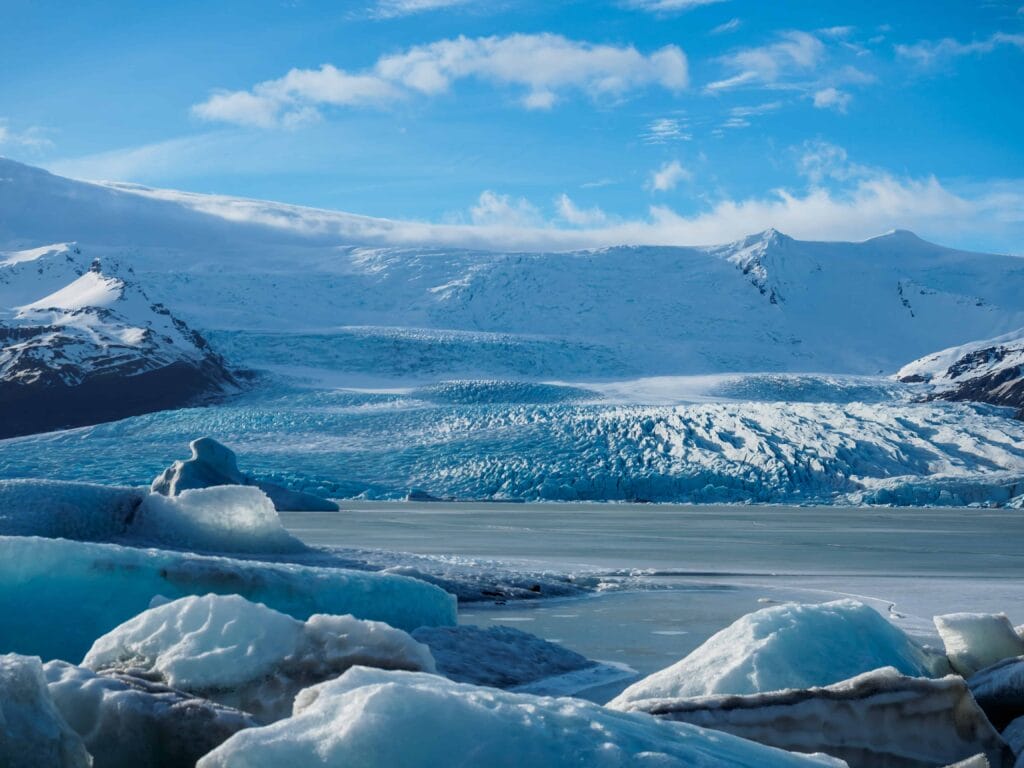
x=705, y=565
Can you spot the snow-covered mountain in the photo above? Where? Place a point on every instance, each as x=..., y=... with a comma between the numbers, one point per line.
x=989, y=371
x=289, y=287
x=83, y=343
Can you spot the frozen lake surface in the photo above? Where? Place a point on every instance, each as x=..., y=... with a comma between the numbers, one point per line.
x=703, y=566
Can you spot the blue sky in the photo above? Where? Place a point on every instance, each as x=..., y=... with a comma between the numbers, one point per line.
x=660, y=120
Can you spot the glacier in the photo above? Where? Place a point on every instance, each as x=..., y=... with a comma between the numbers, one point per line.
x=369, y=718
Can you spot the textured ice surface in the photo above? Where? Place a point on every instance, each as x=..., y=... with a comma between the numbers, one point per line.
x=878, y=719
x=69, y=510
x=223, y=518
x=1013, y=735
x=344, y=444
x=127, y=722
x=32, y=731
x=368, y=718
x=86, y=590
x=246, y=655
x=999, y=690
x=977, y=640
x=502, y=657
x=786, y=646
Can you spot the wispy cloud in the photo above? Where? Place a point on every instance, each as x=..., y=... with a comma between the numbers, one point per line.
x=493, y=209
x=794, y=51
x=729, y=26
x=572, y=214
x=389, y=9
x=668, y=6
x=832, y=98
x=546, y=66
x=33, y=137
x=667, y=176
x=929, y=53
x=664, y=130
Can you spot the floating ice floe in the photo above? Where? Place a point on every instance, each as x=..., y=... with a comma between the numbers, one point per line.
x=368, y=718
x=32, y=731
x=999, y=690
x=786, y=646
x=128, y=722
x=227, y=649
x=977, y=640
x=214, y=464
x=880, y=718
x=58, y=596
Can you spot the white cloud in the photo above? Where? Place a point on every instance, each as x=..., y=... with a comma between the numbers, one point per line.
x=545, y=65
x=664, y=130
x=389, y=9
x=832, y=98
x=33, y=138
x=928, y=53
x=668, y=6
x=795, y=51
x=729, y=26
x=579, y=217
x=668, y=176
x=493, y=209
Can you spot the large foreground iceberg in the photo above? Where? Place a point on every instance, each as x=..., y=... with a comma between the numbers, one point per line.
x=245, y=655
x=127, y=722
x=32, y=731
x=881, y=718
x=369, y=718
x=786, y=646
x=58, y=596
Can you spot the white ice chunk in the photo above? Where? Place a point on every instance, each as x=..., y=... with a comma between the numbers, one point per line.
x=57, y=509
x=369, y=718
x=977, y=640
x=32, y=731
x=245, y=655
x=58, y=596
x=128, y=722
x=786, y=646
x=880, y=718
x=219, y=519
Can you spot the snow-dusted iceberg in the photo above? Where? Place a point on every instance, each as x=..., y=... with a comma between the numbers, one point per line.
x=58, y=596
x=786, y=646
x=245, y=655
x=880, y=718
x=212, y=464
x=32, y=731
x=69, y=510
x=128, y=722
x=369, y=718
x=977, y=640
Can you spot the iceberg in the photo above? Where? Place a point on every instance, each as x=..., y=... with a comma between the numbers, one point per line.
x=999, y=690
x=127, y=722
x=368, y=718
x=218, y=519
x=245, y=655
x=58, y=596
x=786, y=646
x=69, y=510
x=32, y=731
x=880, y=718
x=213, y=464
x=500, y=657
x=977, y=640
